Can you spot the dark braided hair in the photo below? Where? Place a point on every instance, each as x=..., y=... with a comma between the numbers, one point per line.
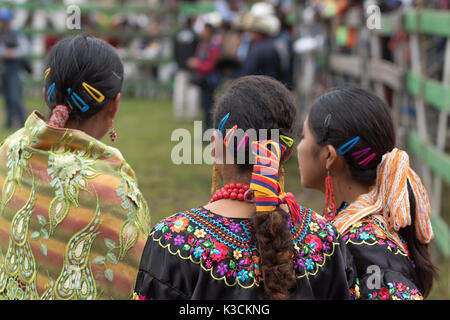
x=259, y=102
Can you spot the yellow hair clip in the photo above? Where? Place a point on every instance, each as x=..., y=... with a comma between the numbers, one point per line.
x=287, y=140
x=47, y=72
x=99, y=97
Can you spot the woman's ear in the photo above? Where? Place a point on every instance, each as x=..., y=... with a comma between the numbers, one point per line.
x=113, y=106
x=217, y=147
x=45, y=97
x=213, y=143
x=331, y=157
x=288, y=154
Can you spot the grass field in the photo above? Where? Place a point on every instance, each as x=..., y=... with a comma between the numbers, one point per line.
x=144, y=131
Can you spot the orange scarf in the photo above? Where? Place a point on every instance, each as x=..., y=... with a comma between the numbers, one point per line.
x=389, y=198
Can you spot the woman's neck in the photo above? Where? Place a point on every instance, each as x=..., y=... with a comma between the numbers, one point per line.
x=88, y=126
x=347, y=190
x=232, y=208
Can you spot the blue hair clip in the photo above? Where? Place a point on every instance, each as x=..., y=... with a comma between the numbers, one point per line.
x=222, y=122
x=50, y=91
x=347, y=146
x=76, y=97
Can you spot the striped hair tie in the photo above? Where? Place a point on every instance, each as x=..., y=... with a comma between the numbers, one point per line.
x=264, y=181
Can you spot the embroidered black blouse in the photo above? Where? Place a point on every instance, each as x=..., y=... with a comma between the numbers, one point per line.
x=381, y=261
x=197, y=254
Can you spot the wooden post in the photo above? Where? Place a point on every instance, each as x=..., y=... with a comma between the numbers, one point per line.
x=436, y=199
x=417, y=68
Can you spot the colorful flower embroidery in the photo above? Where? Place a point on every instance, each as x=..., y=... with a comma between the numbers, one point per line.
x=369, y=232
x=396, y=291
x=200, y=233
x=355, y=294
x=180, y=224
x=237, y=254
x=139, y=297
x=179, y=240
x=314, y=242
x=219, y=252
x=313, y=226
x=227, y=248
x=309, y=264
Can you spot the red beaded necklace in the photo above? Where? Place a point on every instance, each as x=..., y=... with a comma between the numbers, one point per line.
x=233, y=191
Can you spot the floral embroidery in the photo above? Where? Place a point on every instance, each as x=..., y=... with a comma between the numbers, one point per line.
x=396, y=291
x=355, y=294
x=139, y=297
x=180, y=224
x=314, y=242
x=134, y=203
x=17, y=161
x=200, y=233
x=313, y=226
x=368, y=231
x=219, y=252
x=227, y=248
x=69, y=172
x=15, y=289
x=311, y=250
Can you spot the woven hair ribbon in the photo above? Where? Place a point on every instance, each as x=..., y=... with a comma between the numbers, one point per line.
x=390, y=197
x=264, y=182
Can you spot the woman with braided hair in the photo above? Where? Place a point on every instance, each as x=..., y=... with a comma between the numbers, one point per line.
x=73, y=221
x=252, y=240
x=373, y=197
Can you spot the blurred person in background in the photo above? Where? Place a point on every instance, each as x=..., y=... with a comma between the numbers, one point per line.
x=185, y=93
x=285, y=40
x=229, y=9
x=14, y=47
x=267, y=55
x=204, y=62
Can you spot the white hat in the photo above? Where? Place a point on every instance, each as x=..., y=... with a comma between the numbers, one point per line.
x=213, y=18
x=269, y=24
x=262, y=9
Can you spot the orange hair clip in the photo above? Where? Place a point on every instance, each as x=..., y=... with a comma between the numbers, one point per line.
x=229, y=135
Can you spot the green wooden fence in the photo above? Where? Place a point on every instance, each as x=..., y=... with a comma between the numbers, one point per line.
x=430, y=93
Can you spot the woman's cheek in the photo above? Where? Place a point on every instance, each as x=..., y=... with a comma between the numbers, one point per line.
x=300, y=159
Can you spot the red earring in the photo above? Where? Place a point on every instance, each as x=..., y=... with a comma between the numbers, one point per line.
x=330, y=202
x=113, y=133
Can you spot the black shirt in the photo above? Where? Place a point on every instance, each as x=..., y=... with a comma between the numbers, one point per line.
x=197, y=254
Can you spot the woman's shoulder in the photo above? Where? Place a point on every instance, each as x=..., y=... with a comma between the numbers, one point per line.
x=224, y=247
x=370, y=234
x=314, y=242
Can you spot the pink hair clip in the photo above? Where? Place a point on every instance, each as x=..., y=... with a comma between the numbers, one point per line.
x=360, y=153
x=368, y=159
x=243, y=140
